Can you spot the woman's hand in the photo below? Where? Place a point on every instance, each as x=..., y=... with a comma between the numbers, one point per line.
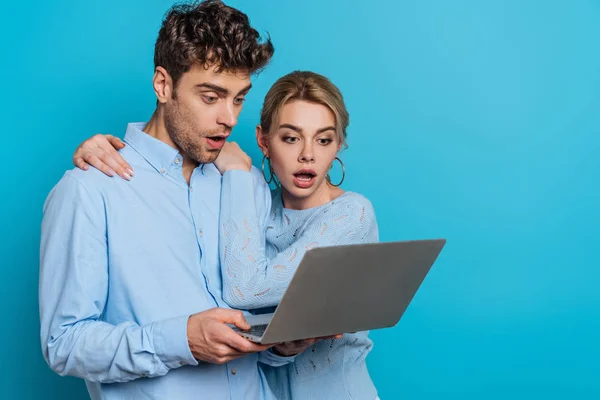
x=232, y=157
x=296, y=347
x=100, y=151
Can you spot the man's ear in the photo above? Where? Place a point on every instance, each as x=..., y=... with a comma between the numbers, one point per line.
x=163, y=85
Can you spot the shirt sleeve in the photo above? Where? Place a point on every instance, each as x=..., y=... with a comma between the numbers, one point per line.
x=250, y=279
x=73, y=292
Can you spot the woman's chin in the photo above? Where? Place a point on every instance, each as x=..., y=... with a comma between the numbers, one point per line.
x=302, y=191
x=297, y=192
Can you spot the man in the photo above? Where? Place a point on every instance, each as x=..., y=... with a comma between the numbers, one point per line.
x=130, y=281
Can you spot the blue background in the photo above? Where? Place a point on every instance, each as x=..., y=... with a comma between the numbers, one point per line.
x=471, y=120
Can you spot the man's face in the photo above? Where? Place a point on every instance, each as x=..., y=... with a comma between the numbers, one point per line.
x=203, y=109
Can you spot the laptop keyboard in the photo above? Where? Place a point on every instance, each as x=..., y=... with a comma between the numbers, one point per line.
x=256, y=330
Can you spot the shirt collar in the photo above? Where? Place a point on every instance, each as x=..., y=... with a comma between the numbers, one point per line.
x=159, y=154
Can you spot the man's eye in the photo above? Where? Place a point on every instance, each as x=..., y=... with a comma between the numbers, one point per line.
x=239, y=101
x=210, y=99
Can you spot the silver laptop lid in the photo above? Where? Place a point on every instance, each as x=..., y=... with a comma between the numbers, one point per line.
x=351, y=288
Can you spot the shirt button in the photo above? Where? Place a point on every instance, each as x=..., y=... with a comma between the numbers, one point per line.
x=200, y=232
x=233, y=371
x=177, y=160
x=191, y=189
x=162, y=171
x=181, y=363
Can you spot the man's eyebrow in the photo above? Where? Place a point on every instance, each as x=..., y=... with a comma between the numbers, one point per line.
x=215, y=88
x=245, y=90
x=222, y=90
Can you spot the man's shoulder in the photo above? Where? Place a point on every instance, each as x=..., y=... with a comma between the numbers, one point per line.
x=92, y=179
x=91, y=183
x=96, y=180
x=74, y=186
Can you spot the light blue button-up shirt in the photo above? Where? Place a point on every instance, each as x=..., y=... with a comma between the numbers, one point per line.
x=123, y=266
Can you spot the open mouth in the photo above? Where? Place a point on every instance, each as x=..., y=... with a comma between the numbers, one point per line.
x=305, y=178
x=216, y=142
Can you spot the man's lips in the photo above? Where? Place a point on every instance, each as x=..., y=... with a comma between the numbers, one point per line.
x=216, y=142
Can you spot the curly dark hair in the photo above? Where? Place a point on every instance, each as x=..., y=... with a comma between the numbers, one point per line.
x=209, y=33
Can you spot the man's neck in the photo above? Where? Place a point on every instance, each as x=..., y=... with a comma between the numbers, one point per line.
x=157, y=129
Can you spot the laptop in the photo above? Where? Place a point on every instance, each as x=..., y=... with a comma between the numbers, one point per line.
x=349, y=288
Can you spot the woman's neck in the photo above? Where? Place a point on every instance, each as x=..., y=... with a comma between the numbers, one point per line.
x=319, y=197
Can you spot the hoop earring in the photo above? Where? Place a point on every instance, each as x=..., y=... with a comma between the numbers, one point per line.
x=263, y=170
x=271, y=173
x=343, y=174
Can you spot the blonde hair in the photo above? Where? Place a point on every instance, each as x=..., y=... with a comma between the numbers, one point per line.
x=306, y=86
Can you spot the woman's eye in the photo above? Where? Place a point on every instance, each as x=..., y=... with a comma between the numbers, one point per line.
x=290, y=139
x=325, y=141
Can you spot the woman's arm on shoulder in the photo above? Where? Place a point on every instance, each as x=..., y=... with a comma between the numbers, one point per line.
x=100, y=152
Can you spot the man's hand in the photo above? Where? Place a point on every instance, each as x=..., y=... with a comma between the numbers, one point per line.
x=211, y=340
x=232, y=157
x=288, y=349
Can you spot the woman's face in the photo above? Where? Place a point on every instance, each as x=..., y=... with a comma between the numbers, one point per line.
x=302, y=145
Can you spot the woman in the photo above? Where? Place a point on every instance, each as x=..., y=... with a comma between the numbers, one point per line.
x=302, y=129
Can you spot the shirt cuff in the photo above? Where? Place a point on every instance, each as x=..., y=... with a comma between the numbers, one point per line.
x=171, y=343
x=268, y=357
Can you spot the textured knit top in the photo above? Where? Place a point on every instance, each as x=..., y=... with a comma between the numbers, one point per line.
x=258, y=260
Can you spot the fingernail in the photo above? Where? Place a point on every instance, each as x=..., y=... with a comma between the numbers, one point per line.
x=130, y=171
x=111, y=172
x=127, y=176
